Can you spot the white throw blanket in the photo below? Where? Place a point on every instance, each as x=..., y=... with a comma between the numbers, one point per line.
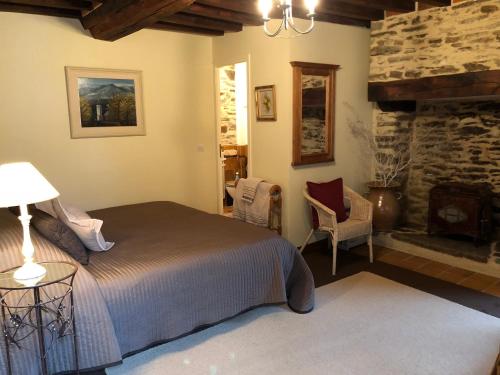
x=257, y=212
x=249, y=187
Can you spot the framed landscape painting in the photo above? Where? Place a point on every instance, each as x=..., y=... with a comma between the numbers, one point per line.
x=104, y=102
x=265, y=101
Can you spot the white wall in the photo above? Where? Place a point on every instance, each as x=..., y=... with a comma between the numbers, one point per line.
x=271, y=143
x=94, y=173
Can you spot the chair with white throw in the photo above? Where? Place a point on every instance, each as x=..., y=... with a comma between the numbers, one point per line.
x=358, y=224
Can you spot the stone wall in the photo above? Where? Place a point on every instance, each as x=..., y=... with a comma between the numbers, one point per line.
x=227, y=105
x=448, y=141
x=461, y=38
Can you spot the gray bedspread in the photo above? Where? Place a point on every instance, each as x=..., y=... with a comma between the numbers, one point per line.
x=173, y=269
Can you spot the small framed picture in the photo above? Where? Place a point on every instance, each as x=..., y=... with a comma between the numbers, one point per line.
x=104, y=102
x=265, y=100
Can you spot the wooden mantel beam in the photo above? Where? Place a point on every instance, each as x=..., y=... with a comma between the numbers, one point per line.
x=115, y=19
x=464, y=85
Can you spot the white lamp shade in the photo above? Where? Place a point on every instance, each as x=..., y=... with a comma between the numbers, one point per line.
x=21, y=183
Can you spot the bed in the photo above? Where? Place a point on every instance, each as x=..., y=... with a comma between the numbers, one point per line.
x=173, y=270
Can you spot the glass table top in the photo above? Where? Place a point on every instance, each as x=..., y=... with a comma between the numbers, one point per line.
x=56, y=271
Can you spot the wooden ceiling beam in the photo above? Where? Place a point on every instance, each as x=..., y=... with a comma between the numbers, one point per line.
x=60, y=4
x=250, y=7
x=242, y=6
x=390, y=5
x=339, y=20
x=427, y=4
x=346, y=9
x=223, y=14
x=115, y=19
x=202, y=22
x=41, y=10
x=330, y=18
x=185, y=29
x=437, y=3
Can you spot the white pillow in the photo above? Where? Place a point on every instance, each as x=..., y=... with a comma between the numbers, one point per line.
x=86, y=228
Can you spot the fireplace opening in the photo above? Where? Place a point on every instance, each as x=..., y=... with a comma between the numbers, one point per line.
x=452, y=188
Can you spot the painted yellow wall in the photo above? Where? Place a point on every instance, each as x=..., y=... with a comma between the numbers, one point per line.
x=178, y=74
x=271, y=143
x=348, y=47
x=268, y=142
x=94, y=173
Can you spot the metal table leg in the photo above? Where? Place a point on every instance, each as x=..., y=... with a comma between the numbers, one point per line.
x=73, y=322
x=41, y=338
x=4, y=328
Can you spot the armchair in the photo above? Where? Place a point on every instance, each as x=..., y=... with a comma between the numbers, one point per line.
x=358, y=224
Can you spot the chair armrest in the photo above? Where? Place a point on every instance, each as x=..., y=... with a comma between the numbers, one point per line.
x=361, y=208
x=327, y=217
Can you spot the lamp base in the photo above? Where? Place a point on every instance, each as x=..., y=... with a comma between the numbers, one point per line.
x=30, y=271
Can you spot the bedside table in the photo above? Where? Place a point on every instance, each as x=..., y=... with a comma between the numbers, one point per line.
x=44, y=309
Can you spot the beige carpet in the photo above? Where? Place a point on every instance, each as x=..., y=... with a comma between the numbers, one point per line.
x=364, y=324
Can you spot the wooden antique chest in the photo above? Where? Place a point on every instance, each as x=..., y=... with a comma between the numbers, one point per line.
x=461, y=209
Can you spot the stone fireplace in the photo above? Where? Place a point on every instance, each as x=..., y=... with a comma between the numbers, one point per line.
x=435, y=75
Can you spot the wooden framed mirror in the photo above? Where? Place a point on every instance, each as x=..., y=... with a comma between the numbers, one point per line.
x=313, y=112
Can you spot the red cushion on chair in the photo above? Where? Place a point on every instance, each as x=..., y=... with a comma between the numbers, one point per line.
x=331, y=194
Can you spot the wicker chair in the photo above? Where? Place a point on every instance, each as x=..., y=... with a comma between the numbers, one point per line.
x=358, y=224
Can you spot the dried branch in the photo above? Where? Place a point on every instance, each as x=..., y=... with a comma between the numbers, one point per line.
x=388, y=164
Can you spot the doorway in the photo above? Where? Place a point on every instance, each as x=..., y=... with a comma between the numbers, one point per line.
x=232, y=131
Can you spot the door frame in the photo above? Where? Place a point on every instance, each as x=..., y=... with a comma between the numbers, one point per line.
x=218, y=159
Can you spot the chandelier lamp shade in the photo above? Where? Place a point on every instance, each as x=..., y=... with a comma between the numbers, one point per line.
x=20, y=185
x=287, y=21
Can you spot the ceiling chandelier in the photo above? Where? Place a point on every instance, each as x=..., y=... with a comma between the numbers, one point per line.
x=287, y=21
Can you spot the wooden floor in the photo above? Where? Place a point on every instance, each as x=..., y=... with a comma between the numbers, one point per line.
x=463, y=287
x=468, y=279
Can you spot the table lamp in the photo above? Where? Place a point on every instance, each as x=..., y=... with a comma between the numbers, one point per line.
x=21, y=184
